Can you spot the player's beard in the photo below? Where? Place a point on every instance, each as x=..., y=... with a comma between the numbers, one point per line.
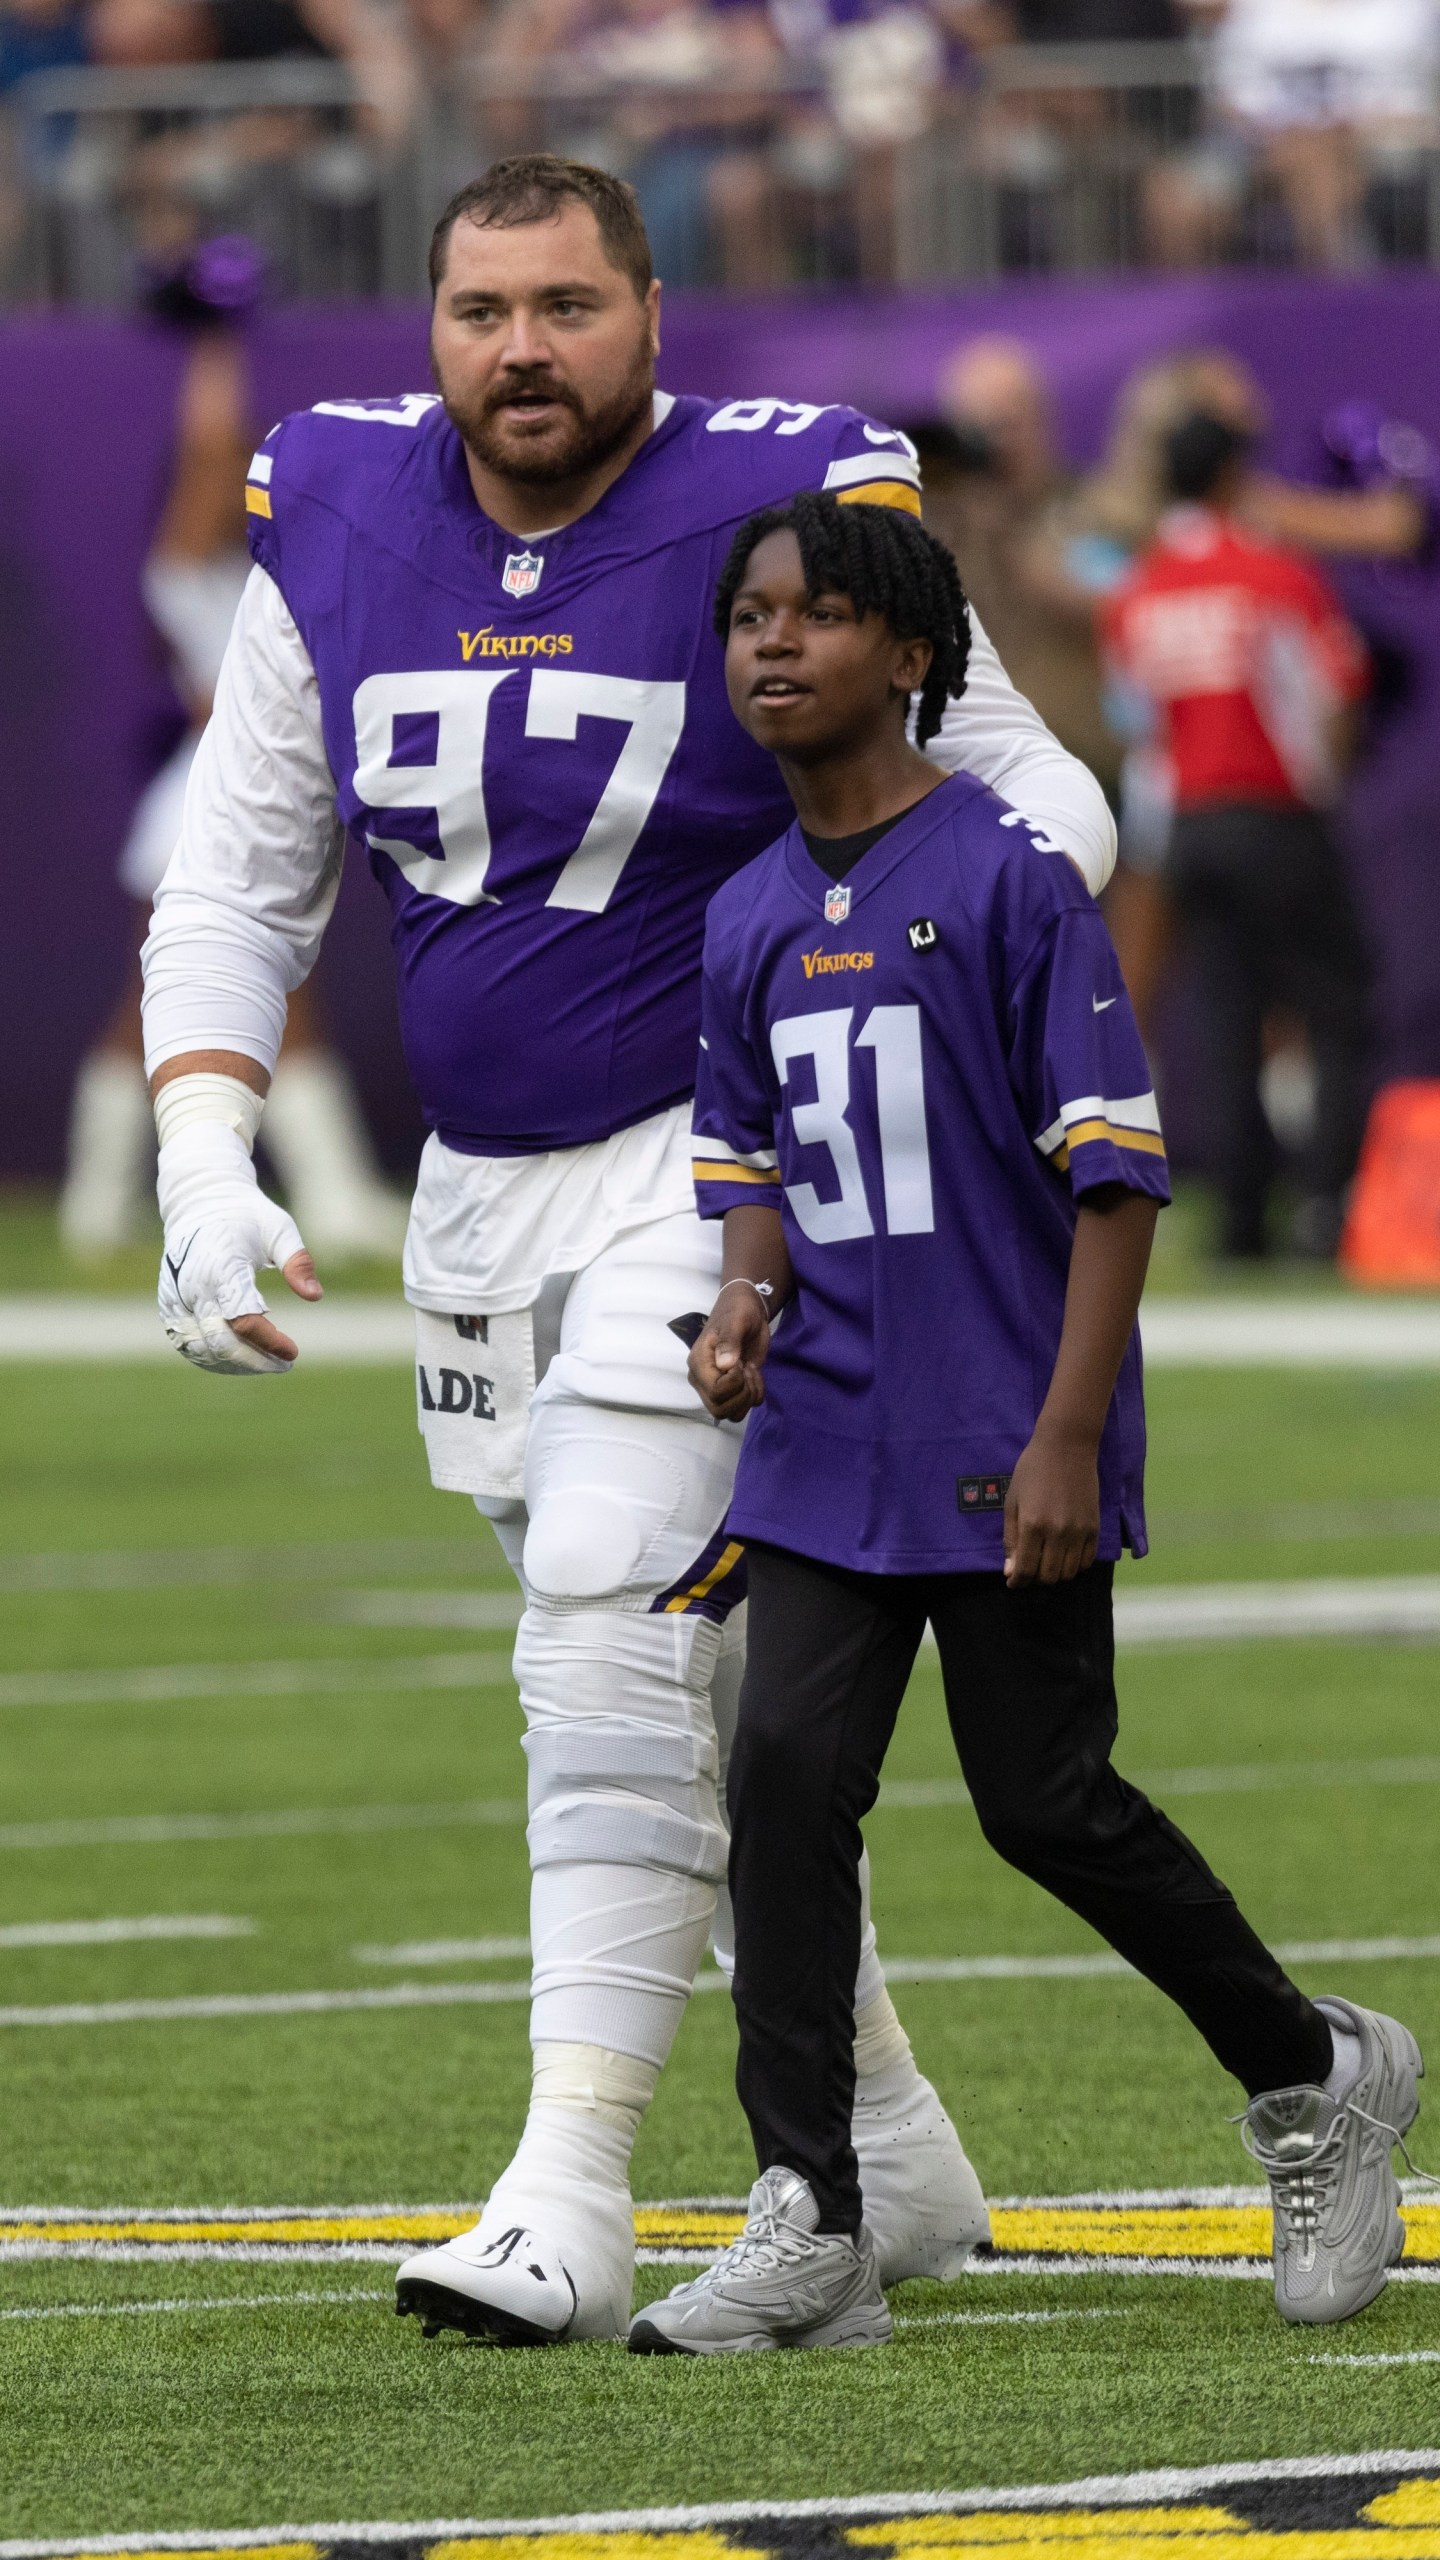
x=595, y=433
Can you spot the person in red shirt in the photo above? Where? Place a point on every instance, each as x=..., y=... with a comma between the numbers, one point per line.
x=1251, y=674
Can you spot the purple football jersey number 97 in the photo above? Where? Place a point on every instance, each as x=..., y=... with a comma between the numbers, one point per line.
x=453, y=785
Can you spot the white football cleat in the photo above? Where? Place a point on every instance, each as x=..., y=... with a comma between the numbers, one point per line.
x=924, y=2206
x=553, y=2254
x=513, y=2289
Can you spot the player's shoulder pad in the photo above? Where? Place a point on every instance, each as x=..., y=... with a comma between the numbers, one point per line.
x=1013, y=869
x=340, y=455
x=761, y=453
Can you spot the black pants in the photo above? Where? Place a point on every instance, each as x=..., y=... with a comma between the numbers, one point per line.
x=1269, y=920
x=1030, y=1692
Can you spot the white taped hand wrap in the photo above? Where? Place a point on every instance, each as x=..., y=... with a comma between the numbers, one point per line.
x=186, y=1099
x=219, y=1229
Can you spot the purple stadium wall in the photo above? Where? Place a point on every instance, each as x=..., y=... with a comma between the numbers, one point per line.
x=86, y=711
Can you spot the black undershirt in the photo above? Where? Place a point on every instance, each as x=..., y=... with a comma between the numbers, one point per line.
x=835, y=855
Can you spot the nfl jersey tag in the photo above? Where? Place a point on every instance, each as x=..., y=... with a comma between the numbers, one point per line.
x=522, y=572
x=982, y=1493
x=837, y=902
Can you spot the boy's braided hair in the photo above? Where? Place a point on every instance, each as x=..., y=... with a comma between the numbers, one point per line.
x=886, y=563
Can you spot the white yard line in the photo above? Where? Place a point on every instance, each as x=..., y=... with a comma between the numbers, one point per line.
x=1113, y=2489
x=444, y=1951
x=1418, y=2355
x=900, y=1795
x=301, y=1822
x=473, y=1609
x=1004, y=2319
x=214, y=2302
x=1291, y=1333
x=1381, y=1605
x=115, y=1933
x=222, y=1568
x=169, y=1684
x=445, y=1995
x=1230, y=1333
x=351, y=1332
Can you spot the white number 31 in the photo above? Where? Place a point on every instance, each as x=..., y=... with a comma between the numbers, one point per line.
x=892, y=1031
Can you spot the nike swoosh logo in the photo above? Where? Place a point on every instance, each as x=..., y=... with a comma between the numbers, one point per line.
x=1098, y=1007
x=175, y=1267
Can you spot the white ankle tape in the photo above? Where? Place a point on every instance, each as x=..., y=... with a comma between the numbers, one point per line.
x=880, y=2040
x=616, y=2087
x=186, y=1099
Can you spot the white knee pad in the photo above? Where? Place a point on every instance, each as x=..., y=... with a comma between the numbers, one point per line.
x=619, y=1740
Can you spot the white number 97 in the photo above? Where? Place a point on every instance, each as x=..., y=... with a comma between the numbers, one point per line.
x=452, y=783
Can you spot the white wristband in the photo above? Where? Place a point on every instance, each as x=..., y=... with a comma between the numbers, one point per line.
x=186, y=1099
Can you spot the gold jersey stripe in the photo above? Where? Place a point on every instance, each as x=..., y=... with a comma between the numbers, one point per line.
x=881, y=493
x=733, y=1173
x=257, y=501
x=1085, y=1133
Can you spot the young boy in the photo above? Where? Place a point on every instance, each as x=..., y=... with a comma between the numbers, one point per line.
x=924, y=1115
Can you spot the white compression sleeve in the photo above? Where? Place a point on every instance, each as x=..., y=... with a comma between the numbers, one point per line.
x=248, y=893
x=996, y=734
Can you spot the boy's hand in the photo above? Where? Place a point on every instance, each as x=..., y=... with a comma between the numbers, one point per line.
x=1052, y=1514
x=729, y=1355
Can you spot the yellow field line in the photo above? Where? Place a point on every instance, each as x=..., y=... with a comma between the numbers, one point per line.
x=1020, y=2230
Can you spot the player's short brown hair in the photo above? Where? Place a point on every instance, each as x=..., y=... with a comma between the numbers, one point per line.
x=534, y=187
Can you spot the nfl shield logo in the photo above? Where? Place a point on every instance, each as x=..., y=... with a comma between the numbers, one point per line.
x=837, y=902
x=522, y=572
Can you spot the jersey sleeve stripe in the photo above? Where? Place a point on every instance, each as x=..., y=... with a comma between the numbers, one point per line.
x=733, y=1173
x=1127, y=1110
x=260, y=469
x=1085, y=1133
x=858, y=470
x=257, y=502
x=882, y=493
x=719, y=1150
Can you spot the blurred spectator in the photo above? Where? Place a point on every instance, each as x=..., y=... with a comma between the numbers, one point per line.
x=192, y=581
x=35, y=35
x=1253, y=672
x=1323, y=101
x=181, y=179
x=1006, y=515
x=40, y=35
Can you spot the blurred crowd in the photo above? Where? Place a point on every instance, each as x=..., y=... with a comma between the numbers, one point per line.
x=767, y=138
x=1178, y=616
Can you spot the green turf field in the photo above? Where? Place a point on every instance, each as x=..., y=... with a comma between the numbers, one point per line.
x=155, y=1522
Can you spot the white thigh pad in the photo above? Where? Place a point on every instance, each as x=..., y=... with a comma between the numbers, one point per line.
x=616, y=1346
x=627, y=1508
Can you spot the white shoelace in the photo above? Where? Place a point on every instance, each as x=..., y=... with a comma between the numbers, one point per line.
x=1300, y=2189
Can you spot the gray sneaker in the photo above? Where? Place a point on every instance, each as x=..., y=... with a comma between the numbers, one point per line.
x=1338, y=2230
x=781, y=2284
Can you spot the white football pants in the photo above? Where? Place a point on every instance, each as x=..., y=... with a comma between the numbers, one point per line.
x=630, y=1649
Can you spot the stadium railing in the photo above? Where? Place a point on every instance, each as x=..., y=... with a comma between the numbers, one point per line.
x=1035, y=158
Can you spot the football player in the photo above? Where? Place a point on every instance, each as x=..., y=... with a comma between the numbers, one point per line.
x=477, y=643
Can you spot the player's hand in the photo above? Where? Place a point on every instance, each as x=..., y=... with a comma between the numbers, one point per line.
x=219, y=1230
x=728, y=1357
x=1052, y=1512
